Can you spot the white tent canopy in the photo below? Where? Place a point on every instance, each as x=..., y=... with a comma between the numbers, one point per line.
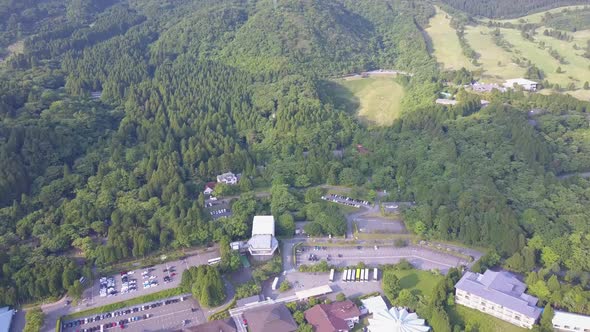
x=396, y=320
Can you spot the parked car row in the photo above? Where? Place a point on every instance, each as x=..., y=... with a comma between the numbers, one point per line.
x=128, y=284
x=220, y=211
x=107, y=286
x=345, y=200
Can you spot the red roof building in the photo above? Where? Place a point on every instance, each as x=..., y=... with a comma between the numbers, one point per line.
x=334, y=317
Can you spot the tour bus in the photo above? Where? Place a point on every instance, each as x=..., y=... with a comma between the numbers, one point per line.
x=350, y=275
x=358, y=275
x=367, y=275
x=375, y=274
x=275, y=283
x=362, y=275
x=331, y=275
x=214, y=261
x=344, y=275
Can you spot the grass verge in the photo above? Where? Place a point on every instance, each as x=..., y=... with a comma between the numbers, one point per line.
x=477, y=321
x=118, y=305
x=223, y=314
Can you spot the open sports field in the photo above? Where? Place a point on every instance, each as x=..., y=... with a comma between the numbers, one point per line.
x=444, y=42
x=376, y=100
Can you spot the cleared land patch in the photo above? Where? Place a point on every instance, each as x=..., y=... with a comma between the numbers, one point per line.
x=537, y=17
x=496, y=63
x=376, y=100
x=417, y=281
x=445, y=43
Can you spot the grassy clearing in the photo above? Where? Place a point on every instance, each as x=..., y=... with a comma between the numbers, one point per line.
x=496, y=63
x=417, y=281
x=118, y=305
x=479, y=321
x=445, y=43
x=377, y=100
x=536, y=17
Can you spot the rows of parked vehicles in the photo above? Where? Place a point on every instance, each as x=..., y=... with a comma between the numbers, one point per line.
x=120, y=323
x=128, y=283
x=345, y=200
x=107, y=286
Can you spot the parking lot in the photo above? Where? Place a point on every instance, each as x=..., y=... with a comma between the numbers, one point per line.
x=372, y=256
x=340, y=199
x=162, y=315
x=153, y=281
x=218, y=208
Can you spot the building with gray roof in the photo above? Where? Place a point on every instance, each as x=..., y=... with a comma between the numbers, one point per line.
x=5, y=319
x=499, y=294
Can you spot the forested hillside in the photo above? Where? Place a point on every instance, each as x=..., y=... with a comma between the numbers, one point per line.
x=507, y=8
x=191, y=89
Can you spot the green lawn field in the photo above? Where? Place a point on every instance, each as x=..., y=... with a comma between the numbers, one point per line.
x=422, y=282
x=444, y=42
x=376, y=100
x=474, y=320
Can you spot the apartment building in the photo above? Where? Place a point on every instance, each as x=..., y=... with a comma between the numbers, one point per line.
x=499, y=294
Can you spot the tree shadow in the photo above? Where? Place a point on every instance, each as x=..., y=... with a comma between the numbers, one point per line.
x=409, y=281
x=340, y=96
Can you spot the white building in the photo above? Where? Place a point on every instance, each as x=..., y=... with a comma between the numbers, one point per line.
x=374, y=304
x=263, y=241
x=227, y=178
x=565, y=321
x=527, y=85
x=498, y=294
x=397, y=320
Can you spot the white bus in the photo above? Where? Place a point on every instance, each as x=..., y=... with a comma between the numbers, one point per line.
x=366, y=274
x=275, y=283
x=350, y=273
x=344, y=274
x=362, y=277
x=331, y=275
x=214, y=261
x=375, y=274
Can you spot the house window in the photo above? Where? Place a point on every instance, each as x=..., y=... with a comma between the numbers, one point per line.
x=517, y=317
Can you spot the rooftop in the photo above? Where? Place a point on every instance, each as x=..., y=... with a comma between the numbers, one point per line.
x=519, y=81
x=396, y=320
x=227, y=325
x=270, y=318
x=502, y=288
x=331, y=317
x=248, y=301
x=263, y=242
x=374, y=304
x=563, y=318
x=316, y=291
x=263, y=225
x=5, y=318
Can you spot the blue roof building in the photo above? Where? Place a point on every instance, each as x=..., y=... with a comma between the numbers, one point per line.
x=5, y=319
x=499, y=294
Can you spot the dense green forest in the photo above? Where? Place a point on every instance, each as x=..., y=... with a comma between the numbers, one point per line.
x=508, y=8
x=191, y=89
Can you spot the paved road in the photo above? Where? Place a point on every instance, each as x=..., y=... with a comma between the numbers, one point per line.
x=420, y=257
x=91, y=298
